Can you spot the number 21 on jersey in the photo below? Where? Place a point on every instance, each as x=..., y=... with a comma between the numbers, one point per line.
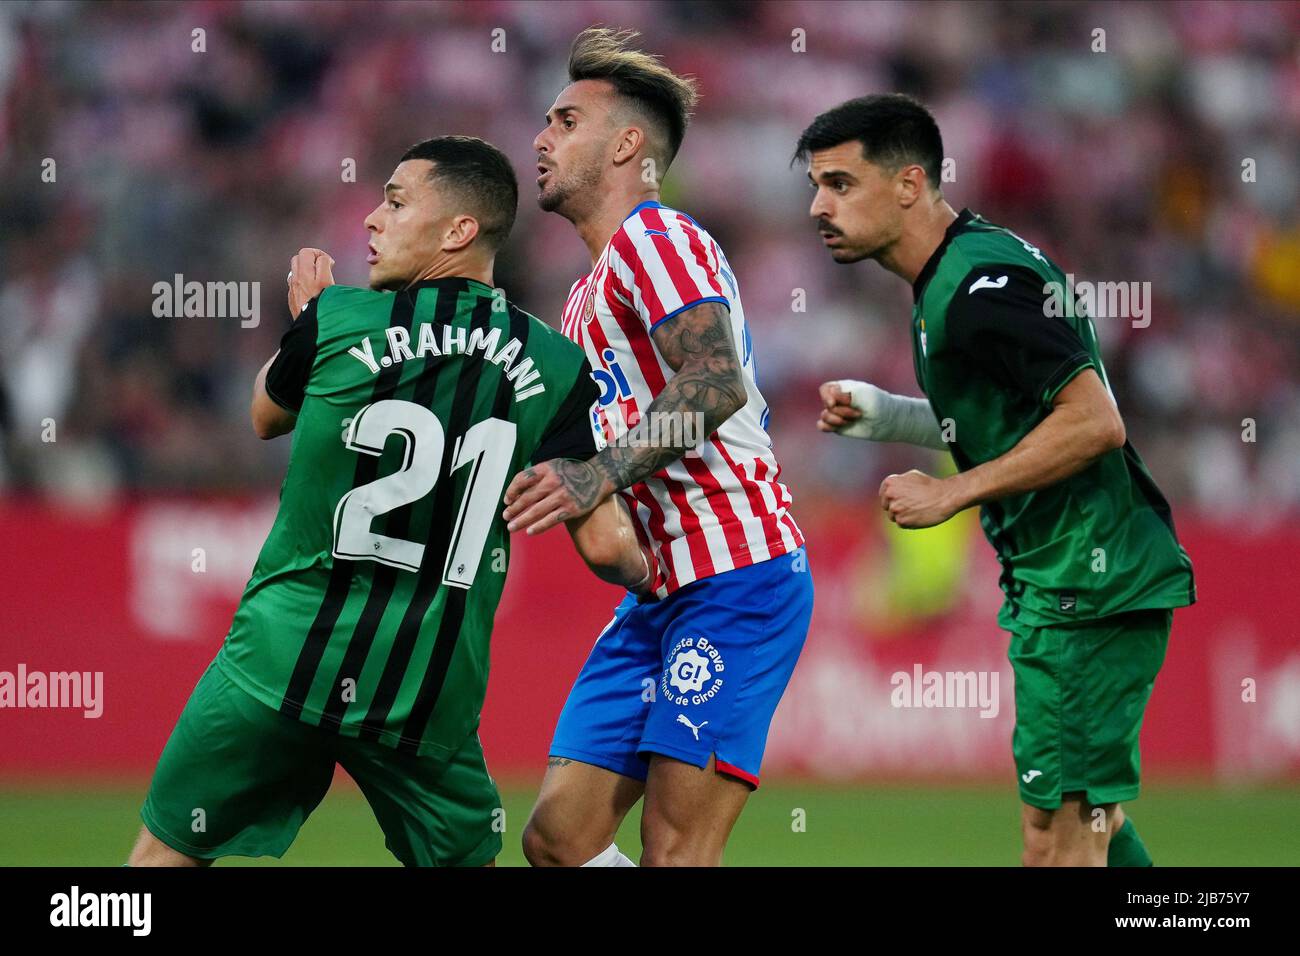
x=487, y=448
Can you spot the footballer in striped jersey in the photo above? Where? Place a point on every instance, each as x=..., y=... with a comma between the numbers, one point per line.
x=675, y=700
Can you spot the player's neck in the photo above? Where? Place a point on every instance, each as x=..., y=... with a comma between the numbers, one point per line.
x=461, y=268
x=605, y=218
x=908, y=256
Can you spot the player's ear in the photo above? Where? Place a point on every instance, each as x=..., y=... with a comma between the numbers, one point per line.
x=630, y=139
x=460, y=232
x=909, y=184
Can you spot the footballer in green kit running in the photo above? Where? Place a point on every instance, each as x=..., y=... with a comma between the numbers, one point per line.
x=362, y=636
x=1016, y=390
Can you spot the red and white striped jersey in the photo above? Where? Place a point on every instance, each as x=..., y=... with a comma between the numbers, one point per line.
x=721, y=506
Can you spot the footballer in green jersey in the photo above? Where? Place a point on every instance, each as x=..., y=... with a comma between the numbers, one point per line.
x=1016, y=390
x=362, y=636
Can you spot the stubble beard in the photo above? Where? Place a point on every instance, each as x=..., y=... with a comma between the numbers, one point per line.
x=569, y=196
x=874, y=248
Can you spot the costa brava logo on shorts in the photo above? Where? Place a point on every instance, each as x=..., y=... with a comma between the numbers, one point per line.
x=693, y=675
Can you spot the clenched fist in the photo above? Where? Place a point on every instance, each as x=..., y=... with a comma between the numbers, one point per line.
x=837, y=406
x=310, y=272
x=917, y=500
x=861, y=410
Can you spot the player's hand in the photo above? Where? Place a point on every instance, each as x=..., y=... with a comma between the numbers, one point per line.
x=916, y=500
x=837, y=410
x=311, y=271
x=542, y=496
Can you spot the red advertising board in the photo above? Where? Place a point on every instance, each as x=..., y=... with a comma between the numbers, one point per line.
x=142, y=593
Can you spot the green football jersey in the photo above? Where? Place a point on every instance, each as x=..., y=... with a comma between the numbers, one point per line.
x=991, y=352
x=370, y=608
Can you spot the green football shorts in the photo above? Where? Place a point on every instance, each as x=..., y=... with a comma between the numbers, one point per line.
x=238, y=778
x=1081, y=691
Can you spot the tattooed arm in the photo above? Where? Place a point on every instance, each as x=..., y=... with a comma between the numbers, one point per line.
x=707, y=387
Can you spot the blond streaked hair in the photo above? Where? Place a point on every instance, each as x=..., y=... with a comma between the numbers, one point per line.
x=658, y=93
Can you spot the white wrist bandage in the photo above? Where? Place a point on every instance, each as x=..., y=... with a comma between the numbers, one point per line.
x=890, y=417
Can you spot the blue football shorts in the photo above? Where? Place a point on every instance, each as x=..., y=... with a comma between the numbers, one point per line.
x=696, y=674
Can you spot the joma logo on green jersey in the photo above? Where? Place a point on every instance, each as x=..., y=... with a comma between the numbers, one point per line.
x=454, y=342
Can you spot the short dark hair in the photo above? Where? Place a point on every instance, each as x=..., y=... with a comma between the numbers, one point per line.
x=664, y=97
x=480, y=174
x=894, y=130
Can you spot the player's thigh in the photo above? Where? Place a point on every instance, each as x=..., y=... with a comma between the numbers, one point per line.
x=1039, y=739
x=1117, y=670
x=689, y=813
x=441, y=810
x=1077, y=833
x=1081, y=692
x=727, y=656
x=236, y=777
x=578, y=812
x=603, y=717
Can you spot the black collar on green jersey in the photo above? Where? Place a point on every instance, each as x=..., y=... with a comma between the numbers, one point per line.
x=447, y=282
x=927, y=270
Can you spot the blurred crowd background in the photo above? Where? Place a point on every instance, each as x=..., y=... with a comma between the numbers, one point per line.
x=1124, y=166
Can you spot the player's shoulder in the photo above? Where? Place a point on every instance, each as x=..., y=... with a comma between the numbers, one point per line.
x=343, y=304
x=578, y=285
x=345, y=296
x=983, y=244
x=653, y=218
x=543, y=337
